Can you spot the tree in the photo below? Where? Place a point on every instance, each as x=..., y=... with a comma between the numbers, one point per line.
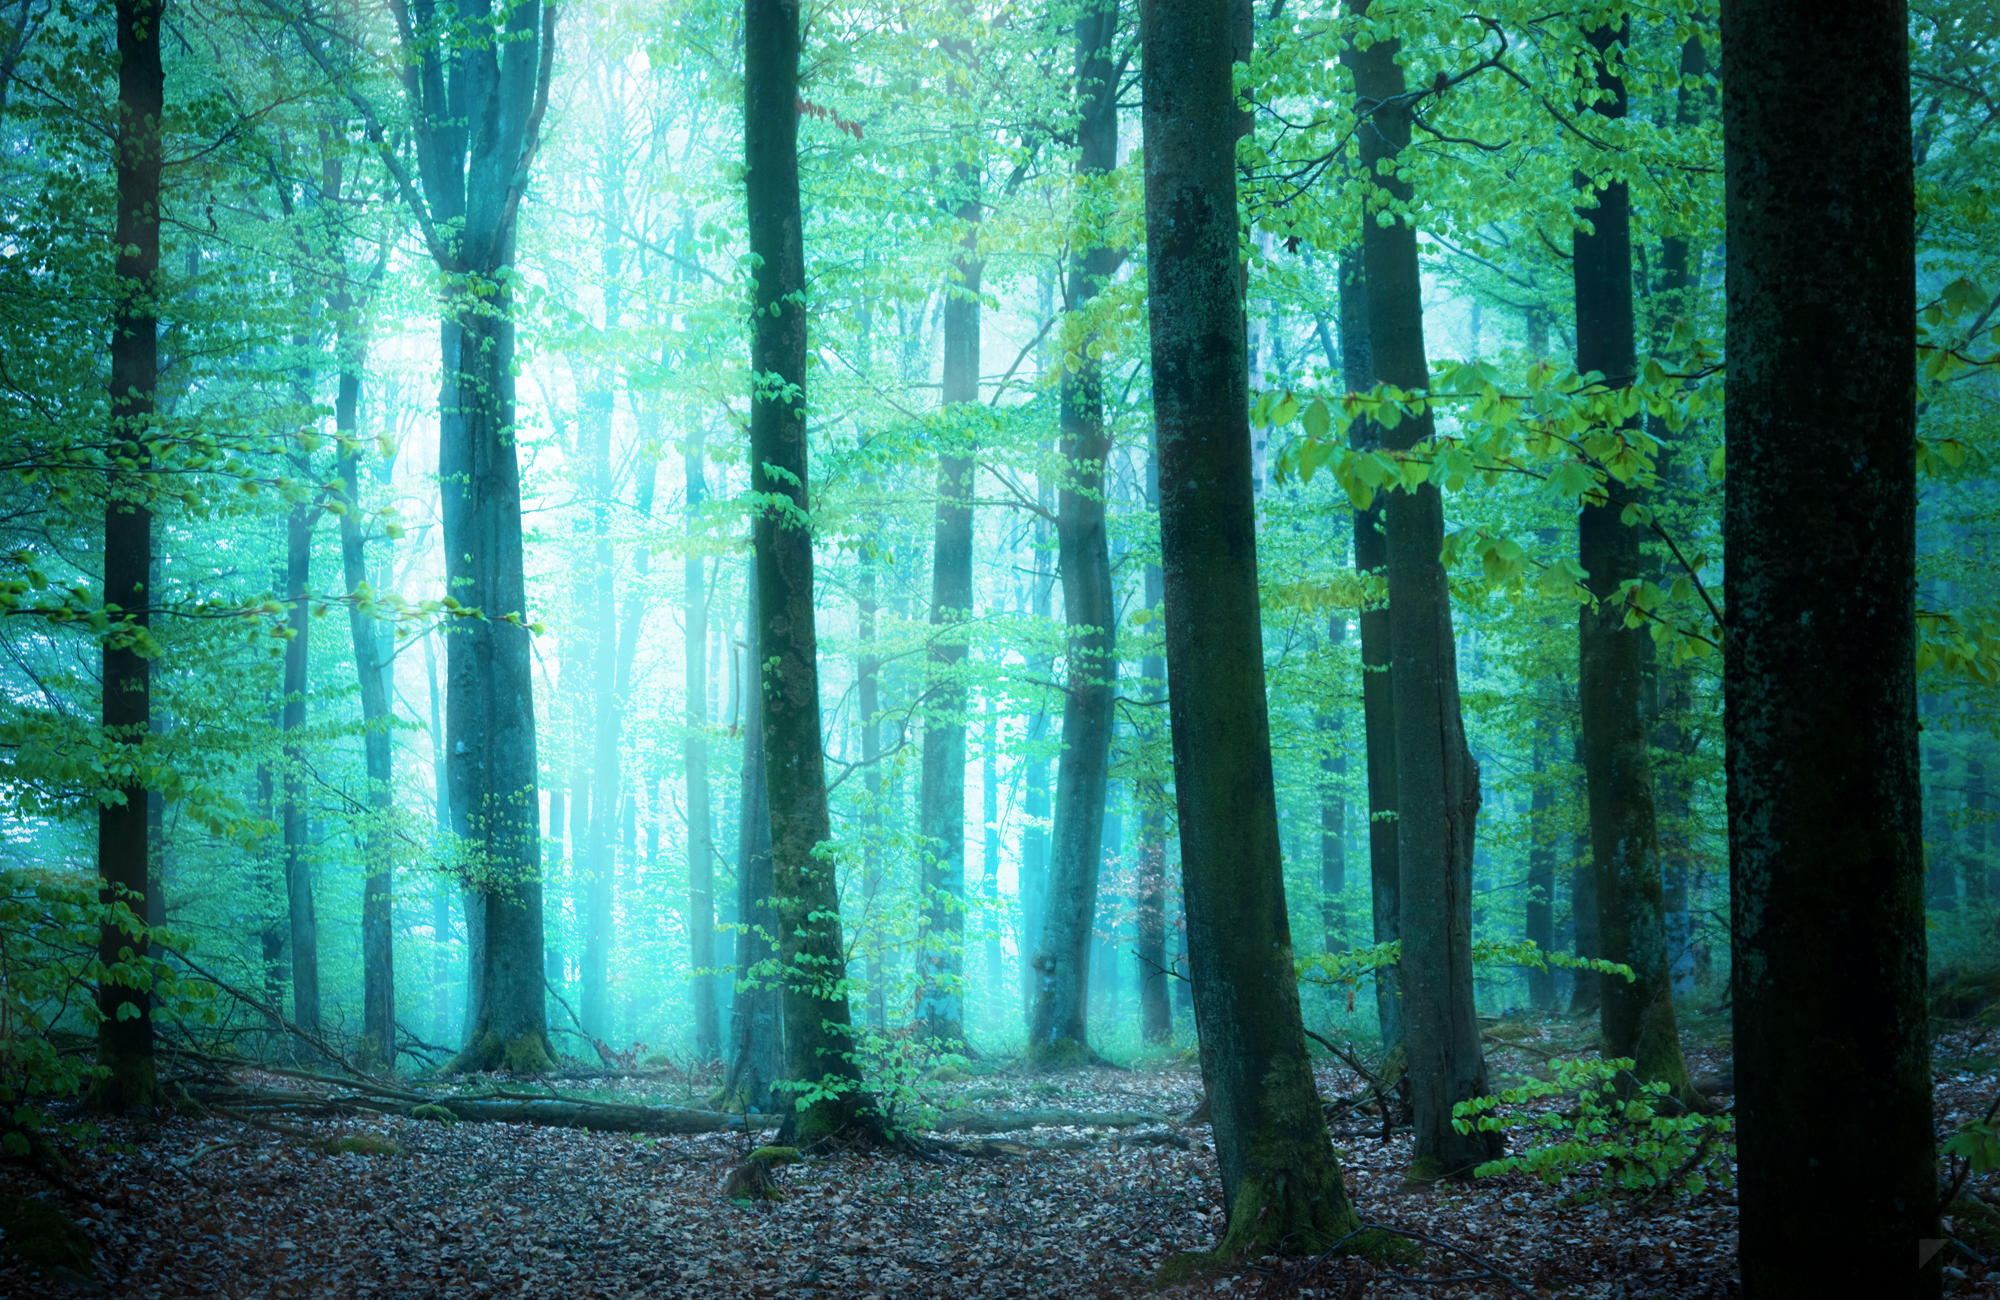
x=476, y=82
x=1057, y=1030
x=1838, y=1183
x=124, y=839
x=1437, y=782
x=1637, y=1015
x=941, y=792
x=819, y=1056
x=1281, y=1185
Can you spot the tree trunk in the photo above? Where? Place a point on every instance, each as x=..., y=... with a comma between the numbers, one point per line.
x=1332, y=811
x=941, y=793
x=700, y=842
x=818, y=1040
x=300, y=913
x=868, y=698
x=371, y=666
x=756, y=1044
x=1436, y=778
x=1281, y=1186
x=477, y=106
x=1156, y=1011
x=1837, y=1177
x=1378, y=707
x=125, y=1034
x=1637, y=1015
x=596, y=866
x=1538, y=923
x=1057, y=1031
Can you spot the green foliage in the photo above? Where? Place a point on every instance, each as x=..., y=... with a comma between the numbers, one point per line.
x=1611, y=1138
x=50, y=968
x=1977, y=1143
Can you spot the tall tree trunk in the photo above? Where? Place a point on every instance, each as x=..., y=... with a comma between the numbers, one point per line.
x=1637, y=1015
x=300, y=913
x=1378, y=707
x=1057, y=1030
x=1280, y=1184
x=1437, y=782
x=818, y=1039
x=125, y=1034
x=995, y=995
x=1538, y=923
x=371, y=667
x=1156, y=1011
x=1035, y=803
x=1586, y=986
x=1333, y=811
x=700, y=842
x=868, y=696
x=756, y=1042
x=941, y=793
x=476, y=105
x=1837, y=1177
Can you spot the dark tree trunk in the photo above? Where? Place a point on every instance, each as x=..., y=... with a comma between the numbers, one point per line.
x=941, y=793
x=1437, y=781
x=477, y=106
x=1585, y=986
x=1281, y=1186
x=1156, y=1010
x=125, y=1035
x=700, y=842
x=756, y=1042
x=818, y=1040
x=1057, y=1031
x=1837, y=1177
x=1378, y=707
x=1637, y=1015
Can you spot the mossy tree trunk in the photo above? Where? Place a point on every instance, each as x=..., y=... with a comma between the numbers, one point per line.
x=819, y=1048
x=1837, y=1176
x=1280, y=1181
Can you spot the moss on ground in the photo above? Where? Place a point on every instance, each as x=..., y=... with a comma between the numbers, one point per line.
x=41, y=1234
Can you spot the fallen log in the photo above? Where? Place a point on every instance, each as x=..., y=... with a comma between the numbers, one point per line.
x=982, y=1121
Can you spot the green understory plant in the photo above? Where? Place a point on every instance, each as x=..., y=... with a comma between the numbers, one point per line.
x=1613, y=1137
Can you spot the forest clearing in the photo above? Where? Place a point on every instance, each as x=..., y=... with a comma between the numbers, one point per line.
x=1000, y=647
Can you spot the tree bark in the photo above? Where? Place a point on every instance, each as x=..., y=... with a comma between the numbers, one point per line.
x=756, y=1043
x=371, y=667
x=819, y=1052
x=1058, y=1032
x=1436, y=778
x=694, y=751
x=941, y=791
x=1378, y=706
x=1332, y=811
x=1636, y=1016
x=1281, y=1186
x=301, y=915
x=125, y=1035
x=1837, y=1180
x=477, y=106
x=1156, y=1009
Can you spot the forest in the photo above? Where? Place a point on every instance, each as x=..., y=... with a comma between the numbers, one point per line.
x=980, y=648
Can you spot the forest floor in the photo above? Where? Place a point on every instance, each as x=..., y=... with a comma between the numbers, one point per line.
x=212, y=1207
